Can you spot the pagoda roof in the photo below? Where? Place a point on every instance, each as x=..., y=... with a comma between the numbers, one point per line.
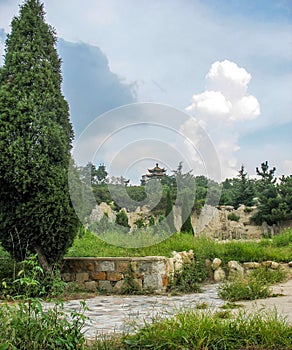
x=157, y=169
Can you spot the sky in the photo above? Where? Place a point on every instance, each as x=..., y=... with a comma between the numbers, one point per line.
x=169, y=80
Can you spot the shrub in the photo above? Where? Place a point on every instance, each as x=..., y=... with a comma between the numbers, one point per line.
x=187, y=280
x=243, y=289
x=233, y=217
x=27, y=325
x=28, y=280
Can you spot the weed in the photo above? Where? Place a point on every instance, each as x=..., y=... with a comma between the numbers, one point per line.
x=197, y=329
x=26, y=325
x=187, y=280
x=243, y=289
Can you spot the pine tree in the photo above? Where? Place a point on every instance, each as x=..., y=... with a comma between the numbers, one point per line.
x=36, y=214
x=186, y=216
x=243, y=189
x=169, y=212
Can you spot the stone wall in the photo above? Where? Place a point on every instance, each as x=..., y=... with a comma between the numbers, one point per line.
x=118, y=275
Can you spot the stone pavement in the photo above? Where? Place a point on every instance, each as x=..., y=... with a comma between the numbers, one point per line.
x=123, y=313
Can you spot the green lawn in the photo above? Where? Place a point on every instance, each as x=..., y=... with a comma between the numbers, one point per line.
x=277, y=249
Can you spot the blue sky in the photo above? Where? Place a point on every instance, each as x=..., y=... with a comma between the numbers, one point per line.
x=226, y=63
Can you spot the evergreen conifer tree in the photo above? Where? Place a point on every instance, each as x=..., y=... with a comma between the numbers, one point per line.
x=169, y=212
x=36, y=214
x=186, y=216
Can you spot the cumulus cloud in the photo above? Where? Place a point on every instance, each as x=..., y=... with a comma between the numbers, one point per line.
x=220, y=108
x=226, y=95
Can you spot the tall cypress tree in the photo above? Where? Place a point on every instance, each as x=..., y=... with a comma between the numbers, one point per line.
x=36, y=214
x=169, y=212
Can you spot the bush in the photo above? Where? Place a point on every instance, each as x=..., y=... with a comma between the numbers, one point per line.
x=27, y=326
x=243, y=289
x=187, y=280
x=28, y=279
x=233, y=217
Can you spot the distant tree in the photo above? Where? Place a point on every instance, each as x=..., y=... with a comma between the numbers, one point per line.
x=267, y=194
x=101, y=174
x=36, y=213
x=186, y=216
x=169, y=211
x=243, y=189
x=122, y=219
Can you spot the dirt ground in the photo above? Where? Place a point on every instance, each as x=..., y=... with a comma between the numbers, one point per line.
x=282, y=303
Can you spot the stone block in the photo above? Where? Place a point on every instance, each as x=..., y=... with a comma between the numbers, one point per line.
x=267, y=263
x=251, y=265
x=216, y=263
x=105, y=286
x=235, y=269
x=290, y=263
x=275, y=265
x=123, y=266
x=114, y=276
x=158, y=267
x=134, y=266
x=89, y=266
x=119, y=287
x=165, y=280
x=68, y=277
x=90, y=286
x=98, y=276
x=106, y=266
x=153, y=282
x=219, y=275
x=82, y=276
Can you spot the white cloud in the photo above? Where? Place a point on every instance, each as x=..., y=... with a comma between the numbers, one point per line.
x=1, y=53
x=221, y=108
x=228, y=78
x=287, y=166
x=211, y=104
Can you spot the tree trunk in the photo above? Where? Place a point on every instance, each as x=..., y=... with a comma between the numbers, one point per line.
x=43, y=261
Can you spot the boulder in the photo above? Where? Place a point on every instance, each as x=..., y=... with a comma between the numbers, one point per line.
x=216, y=263
x=219, y=275
x=235, y=269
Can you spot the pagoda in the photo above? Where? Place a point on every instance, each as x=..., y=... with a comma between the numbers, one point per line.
x=156, y=172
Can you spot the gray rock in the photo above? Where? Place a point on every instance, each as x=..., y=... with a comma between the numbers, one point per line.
x=219, y=275
x=216, y=263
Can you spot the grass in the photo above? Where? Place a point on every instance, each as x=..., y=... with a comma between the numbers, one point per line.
x=197, y=329
x=255, y=285
x=277, y=249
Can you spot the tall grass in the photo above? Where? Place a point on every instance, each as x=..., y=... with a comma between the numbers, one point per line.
x=196, y=330
x=277, y=249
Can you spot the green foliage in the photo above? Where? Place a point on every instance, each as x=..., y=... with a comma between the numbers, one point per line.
x=122, y=219
x=275, y=199
x=186, y=217
x=283, y=240
x=93, y=245
x=28, y=326
x=35, y=141
x=197, y=329
x=244, y=289
x=254, y=286
x=28, y=280
x=169, y=211
x=233, y=217
x=187, y=280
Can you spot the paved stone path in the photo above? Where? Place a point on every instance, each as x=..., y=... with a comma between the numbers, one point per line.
x=122, y=313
